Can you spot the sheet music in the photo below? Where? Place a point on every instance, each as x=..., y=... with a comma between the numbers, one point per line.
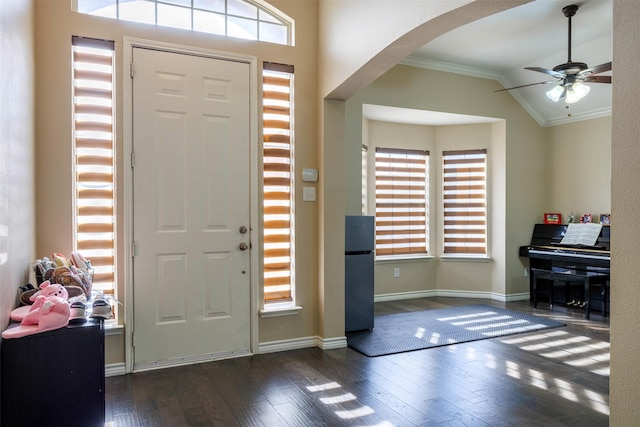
x=582, y=234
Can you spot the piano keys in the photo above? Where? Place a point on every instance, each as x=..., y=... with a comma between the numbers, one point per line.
x=581, y=271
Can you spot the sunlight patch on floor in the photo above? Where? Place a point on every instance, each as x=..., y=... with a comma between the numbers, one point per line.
x=512, y=369
x=482, y=320
x=555, y=343
x=355, y=413
x=538, y=379
x=467, y=316
x=322, y=387
x=568, y=348
x=344, y=412
x=536, y=337
x=347, y=397
x=566, y=389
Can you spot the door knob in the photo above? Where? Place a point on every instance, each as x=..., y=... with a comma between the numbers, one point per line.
x=243, y=246
x=243, y=229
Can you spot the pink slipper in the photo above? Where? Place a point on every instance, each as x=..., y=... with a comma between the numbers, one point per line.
x=47, y=313
x=17, y=314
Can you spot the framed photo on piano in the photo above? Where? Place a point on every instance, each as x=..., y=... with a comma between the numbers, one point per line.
x=586, y=218
x=552, y=218
x=605, y=219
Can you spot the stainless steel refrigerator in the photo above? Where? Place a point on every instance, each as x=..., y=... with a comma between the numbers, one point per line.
x=359, y=274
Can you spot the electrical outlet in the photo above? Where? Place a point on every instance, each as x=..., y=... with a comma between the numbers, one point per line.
x=396, y=272
x=526, y=272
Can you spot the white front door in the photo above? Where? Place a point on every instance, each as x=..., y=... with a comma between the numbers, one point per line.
x=191, y=202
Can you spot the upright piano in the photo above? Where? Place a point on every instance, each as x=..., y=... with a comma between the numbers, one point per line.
x=580, y=272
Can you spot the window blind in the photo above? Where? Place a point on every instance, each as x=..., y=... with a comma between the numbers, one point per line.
x=93, y=124
x=465, y=201
x=401, y=201
x=278, y=182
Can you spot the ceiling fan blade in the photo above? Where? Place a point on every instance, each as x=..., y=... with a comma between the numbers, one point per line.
x=596, y=70
x=564, y=92
x=597, y=79
x=545, y=71
x=530, y=84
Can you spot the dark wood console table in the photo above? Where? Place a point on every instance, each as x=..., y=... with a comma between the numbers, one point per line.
x=54, y=378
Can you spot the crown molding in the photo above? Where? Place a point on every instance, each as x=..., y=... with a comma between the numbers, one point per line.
x=430, y=64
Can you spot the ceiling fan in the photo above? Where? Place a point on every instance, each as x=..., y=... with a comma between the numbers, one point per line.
x=570, y=76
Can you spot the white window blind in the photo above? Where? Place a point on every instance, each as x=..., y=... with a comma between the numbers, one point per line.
x=401, y=202
x=93, y=118
x=465, y=201
x=278, y=183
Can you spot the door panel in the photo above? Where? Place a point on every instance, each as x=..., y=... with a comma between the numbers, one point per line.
x=191, y=195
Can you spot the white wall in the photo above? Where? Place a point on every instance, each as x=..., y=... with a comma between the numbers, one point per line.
x=625, y=204
x=579, y=165
x=17, y=141
x=17, y=146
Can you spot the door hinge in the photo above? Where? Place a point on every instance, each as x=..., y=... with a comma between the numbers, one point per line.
x=133, y=159
x=133, y=339
x=133, y=249
x=131, y=69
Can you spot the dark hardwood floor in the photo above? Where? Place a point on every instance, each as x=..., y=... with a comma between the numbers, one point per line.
x=556, y=377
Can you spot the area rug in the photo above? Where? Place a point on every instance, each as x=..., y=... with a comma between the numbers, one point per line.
x=401, y=332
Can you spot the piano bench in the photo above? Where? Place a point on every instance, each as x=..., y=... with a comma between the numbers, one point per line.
x=588, y=279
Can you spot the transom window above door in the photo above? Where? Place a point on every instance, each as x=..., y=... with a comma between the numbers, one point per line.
x=245, y=19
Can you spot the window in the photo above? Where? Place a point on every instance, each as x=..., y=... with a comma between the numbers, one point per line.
x=465, y=201
x=401, y=201
x=278, y=183
x=93, y=124
x=246, y=19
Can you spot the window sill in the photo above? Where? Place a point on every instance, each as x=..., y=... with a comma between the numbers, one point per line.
x=111, y=327
x=465, y=258
x=277, y=310
x=403, y=258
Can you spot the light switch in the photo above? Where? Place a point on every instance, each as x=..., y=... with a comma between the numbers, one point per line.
x=309, y=175
x=309, y=194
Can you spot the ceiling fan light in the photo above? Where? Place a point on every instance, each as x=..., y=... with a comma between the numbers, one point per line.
x=555, y=93
x=576, y=92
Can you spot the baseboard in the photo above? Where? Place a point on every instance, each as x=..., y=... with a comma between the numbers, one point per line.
x=332, y=343
x=523, y=296
x=115, y=369
x=404, y=295
x=453, y=294
x=305, y=342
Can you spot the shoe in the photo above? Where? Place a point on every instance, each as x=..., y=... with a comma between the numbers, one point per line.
x=77, y=311
x=79, y=261
x=60, y=260
x=101, y=308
